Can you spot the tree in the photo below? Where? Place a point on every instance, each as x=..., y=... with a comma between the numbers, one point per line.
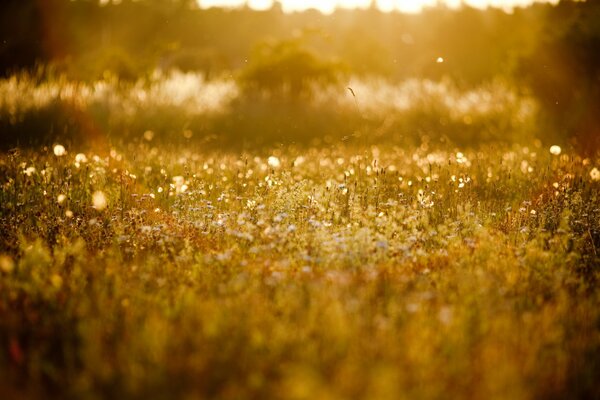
x=564, y=71
x=286, y=69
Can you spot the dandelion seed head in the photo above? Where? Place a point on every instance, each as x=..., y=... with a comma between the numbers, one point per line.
x=99, y=200
x=59, y=150
x=273, y=162
x=29, y=171
x=555, y=150
x=81, y=158
x=595, y=174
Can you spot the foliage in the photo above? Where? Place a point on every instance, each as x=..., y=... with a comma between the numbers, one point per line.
x=286, y=69
x=564, y=72
x=368, y=42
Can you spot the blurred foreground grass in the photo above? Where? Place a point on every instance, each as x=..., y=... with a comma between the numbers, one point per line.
x=346, y=272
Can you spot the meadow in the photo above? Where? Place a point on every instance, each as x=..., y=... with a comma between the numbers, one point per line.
x=233, y=203
x=343, y=271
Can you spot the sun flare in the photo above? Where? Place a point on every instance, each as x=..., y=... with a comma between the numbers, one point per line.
x=328, y=6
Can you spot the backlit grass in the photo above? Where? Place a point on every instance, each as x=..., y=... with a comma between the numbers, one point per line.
x=350, y=272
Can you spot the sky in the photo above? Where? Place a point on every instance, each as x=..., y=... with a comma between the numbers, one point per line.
x=327, y=6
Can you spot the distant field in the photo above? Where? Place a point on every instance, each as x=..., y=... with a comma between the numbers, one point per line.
x=189, y=110
x=345, y=271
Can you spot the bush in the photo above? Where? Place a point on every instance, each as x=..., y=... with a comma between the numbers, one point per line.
x=287, y=69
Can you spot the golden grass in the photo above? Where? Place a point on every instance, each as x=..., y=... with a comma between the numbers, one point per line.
x=303, y=274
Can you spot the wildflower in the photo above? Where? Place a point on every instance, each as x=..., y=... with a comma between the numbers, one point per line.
x=59, y=150
x=445, y=315
x=6, y=264
x=273, y=162
x=81, y=158
x=595, y=174
x=29, y=171
x=99, y=200
x=148, y=135
x=179, y=184
x=61, y=198
x=555, y=150
x=69, y=214
x=56, y=281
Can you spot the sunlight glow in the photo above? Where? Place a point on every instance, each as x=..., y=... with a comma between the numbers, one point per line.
x=328, y=6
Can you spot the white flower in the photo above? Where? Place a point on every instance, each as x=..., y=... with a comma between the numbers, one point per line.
x=556, y=150
x=99, y=200
x=29, y=171
x=273, y=162
x=179, y=184
x=59, y=150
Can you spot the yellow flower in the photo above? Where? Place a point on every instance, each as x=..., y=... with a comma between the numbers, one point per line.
x=149, y=135
x=6, y=264
x=56, y=281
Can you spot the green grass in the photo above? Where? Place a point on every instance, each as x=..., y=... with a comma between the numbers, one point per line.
x=322, y=273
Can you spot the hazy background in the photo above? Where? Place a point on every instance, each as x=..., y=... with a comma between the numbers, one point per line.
x=464, y=75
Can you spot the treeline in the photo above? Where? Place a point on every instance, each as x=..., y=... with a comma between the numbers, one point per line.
x=85, y=38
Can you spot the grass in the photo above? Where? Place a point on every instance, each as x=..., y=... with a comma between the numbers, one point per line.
x=190, y=110
x=345, y=272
